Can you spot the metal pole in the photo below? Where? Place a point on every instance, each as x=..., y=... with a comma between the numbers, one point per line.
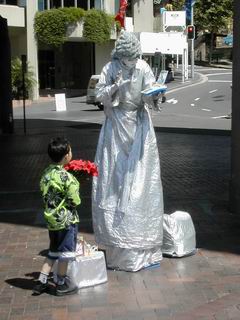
x=235, y=151
x=192, y=46
x=24, y=66
x=183, y=67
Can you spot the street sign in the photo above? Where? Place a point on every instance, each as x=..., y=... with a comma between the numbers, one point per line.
x=188, y=7
x=174, y=18
x=228, y=40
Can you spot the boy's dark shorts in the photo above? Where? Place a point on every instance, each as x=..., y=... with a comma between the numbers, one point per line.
x=63, y=243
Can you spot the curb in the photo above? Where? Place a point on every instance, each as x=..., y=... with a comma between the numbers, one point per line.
x=215, y=132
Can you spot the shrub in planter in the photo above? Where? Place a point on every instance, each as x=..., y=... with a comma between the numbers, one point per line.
x=97, y=26
x=50, y=26
x=17, y=84
x=74, y=15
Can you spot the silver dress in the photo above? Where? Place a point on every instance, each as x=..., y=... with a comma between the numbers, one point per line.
x=127, y=200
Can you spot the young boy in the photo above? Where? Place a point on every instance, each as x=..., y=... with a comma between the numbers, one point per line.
x=60, y=191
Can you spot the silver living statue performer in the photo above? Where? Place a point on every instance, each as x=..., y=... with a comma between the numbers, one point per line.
x=127, y=200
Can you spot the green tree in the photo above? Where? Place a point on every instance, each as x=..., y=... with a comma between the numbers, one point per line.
x=212, y=15
x=178, y=4
x=17, y=80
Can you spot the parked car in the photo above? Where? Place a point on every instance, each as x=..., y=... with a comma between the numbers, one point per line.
x=92, y=92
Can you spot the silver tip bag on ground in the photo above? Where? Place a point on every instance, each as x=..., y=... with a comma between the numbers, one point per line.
x=86, y=271
x=179, y=237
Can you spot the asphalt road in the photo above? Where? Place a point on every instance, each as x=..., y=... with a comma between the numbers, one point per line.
x=201, y=105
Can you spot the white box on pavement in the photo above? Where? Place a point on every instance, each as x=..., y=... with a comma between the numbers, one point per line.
x=60, y=101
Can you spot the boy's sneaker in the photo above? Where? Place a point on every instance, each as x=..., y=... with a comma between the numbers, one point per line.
x=39, y=288
x=65, y=289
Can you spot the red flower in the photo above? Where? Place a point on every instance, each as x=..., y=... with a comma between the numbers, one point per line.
x=82, y=168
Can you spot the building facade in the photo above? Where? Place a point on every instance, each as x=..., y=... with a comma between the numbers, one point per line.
x=70, y=66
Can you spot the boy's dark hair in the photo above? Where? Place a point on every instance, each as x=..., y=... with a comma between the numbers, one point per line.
x=58, y=148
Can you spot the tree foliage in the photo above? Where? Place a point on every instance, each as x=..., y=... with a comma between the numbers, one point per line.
x=17, y=81
x=178, y=4
x=212, y=14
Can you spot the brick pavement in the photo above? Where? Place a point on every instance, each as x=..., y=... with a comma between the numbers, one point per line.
x=195, y=173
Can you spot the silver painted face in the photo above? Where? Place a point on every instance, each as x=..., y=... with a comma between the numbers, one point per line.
x=129, y=63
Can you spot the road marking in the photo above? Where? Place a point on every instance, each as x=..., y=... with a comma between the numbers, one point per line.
x=220, y=117
x=208, y=69
x=203, y=80
x=196, y=99
x=219, y=81
x=213, y=91
x=173, y=101
x=206, y=110
x=217, y=74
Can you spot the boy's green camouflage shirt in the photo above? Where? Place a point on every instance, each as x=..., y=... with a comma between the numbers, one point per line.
x=60, y=191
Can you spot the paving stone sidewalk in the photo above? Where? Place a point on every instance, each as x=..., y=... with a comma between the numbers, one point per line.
x=195, y=174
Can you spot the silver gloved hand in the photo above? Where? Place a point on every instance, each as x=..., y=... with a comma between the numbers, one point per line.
x=154, y=101
x=120, y=82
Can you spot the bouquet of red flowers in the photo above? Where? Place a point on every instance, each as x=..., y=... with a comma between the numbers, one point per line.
x=82, y=169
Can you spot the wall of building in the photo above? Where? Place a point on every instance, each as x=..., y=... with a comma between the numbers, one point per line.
x=102, y=55
x=18, y=44
x=13, y=14
x=142, y=15
x=110, y=6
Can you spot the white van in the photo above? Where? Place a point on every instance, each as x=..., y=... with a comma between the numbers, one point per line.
x=91, y=91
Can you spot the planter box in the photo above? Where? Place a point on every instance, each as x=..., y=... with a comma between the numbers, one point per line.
x=75, y=31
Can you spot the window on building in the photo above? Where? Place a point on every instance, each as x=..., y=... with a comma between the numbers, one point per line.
x=55, y=4
x=9, y=2
x=69, y=3
x=86, y=4
x=41, y=5
x=82, y=4
x=99, y=4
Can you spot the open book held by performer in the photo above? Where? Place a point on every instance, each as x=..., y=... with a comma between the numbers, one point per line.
x=158, y=87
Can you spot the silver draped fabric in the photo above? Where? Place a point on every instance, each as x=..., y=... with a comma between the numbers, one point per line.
x=127, y=201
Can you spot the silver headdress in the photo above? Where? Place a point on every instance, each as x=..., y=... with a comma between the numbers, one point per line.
x=127, y=46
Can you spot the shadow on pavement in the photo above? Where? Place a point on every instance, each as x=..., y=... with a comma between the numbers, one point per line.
x=195, y=169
